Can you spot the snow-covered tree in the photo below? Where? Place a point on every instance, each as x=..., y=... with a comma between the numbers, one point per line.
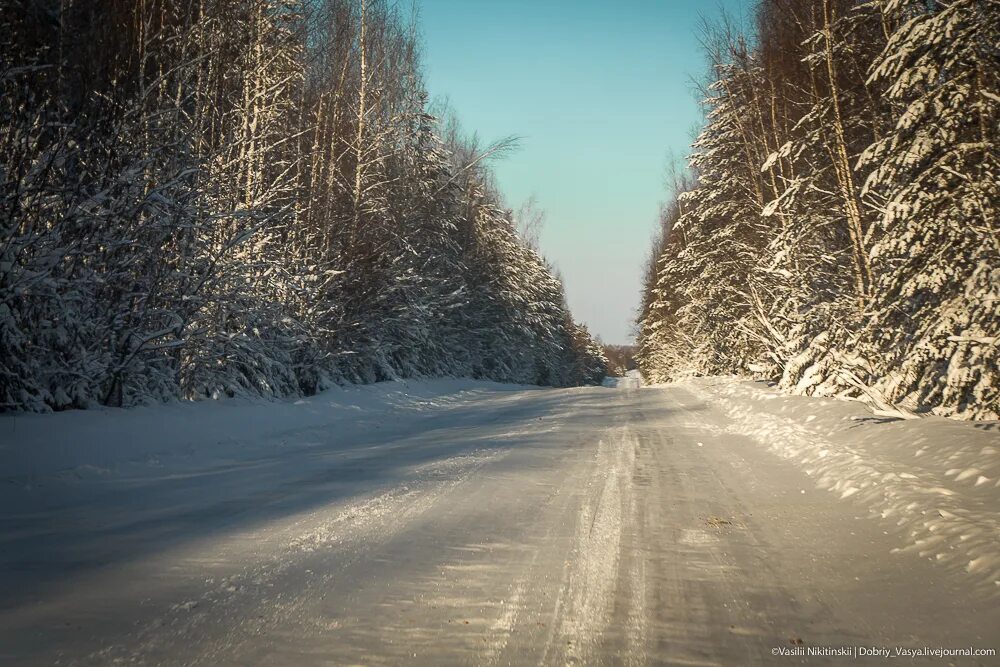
x=221, y=197
x=863, y=261
x=934, y=178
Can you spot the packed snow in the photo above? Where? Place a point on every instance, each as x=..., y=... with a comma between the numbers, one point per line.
x=81, y=488
x=463, y=522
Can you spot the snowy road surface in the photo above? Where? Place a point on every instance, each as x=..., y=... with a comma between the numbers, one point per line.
x=472, y=524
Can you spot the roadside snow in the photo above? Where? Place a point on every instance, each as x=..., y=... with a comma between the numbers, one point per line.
x=82, y=444
x=214, y=511
x=84, y=489
x=936, y=480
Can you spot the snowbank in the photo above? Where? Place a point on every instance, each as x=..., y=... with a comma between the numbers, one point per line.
x=93, y=443
x=936, y=479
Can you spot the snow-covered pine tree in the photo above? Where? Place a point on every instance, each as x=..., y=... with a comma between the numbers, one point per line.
x=223, y=197
x=245, y=336
x=934, y=337
x=874, y=270
x=705, y=289
x=818, y=264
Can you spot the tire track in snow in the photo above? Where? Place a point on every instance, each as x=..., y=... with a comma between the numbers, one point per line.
x=585, y=601
x=636, y=630
x=501, y=630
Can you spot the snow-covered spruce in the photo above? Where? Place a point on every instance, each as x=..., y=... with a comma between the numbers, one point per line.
x=225, y=198
x=840, y=235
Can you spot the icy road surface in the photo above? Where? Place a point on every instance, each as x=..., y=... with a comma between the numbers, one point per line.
x=467, y=523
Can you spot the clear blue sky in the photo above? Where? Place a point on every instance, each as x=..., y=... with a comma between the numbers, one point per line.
x=600, y=92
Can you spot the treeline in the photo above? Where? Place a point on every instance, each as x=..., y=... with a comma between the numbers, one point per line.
x=621, y=359
x=229, y=197
x=838, y=230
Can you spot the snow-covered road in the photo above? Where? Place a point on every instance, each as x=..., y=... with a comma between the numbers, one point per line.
x=453, y=522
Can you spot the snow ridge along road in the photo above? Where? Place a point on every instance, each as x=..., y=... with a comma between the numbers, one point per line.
x=464, y=523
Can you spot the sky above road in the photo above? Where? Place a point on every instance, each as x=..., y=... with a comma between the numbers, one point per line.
x=601, y=94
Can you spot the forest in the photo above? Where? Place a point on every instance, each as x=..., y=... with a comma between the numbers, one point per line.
x=836, y=231
x=206, y=198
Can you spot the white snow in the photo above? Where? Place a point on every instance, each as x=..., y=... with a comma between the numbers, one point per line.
x=454, y=515
x=82, y=489
x=936, y=480
x=112, y=442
